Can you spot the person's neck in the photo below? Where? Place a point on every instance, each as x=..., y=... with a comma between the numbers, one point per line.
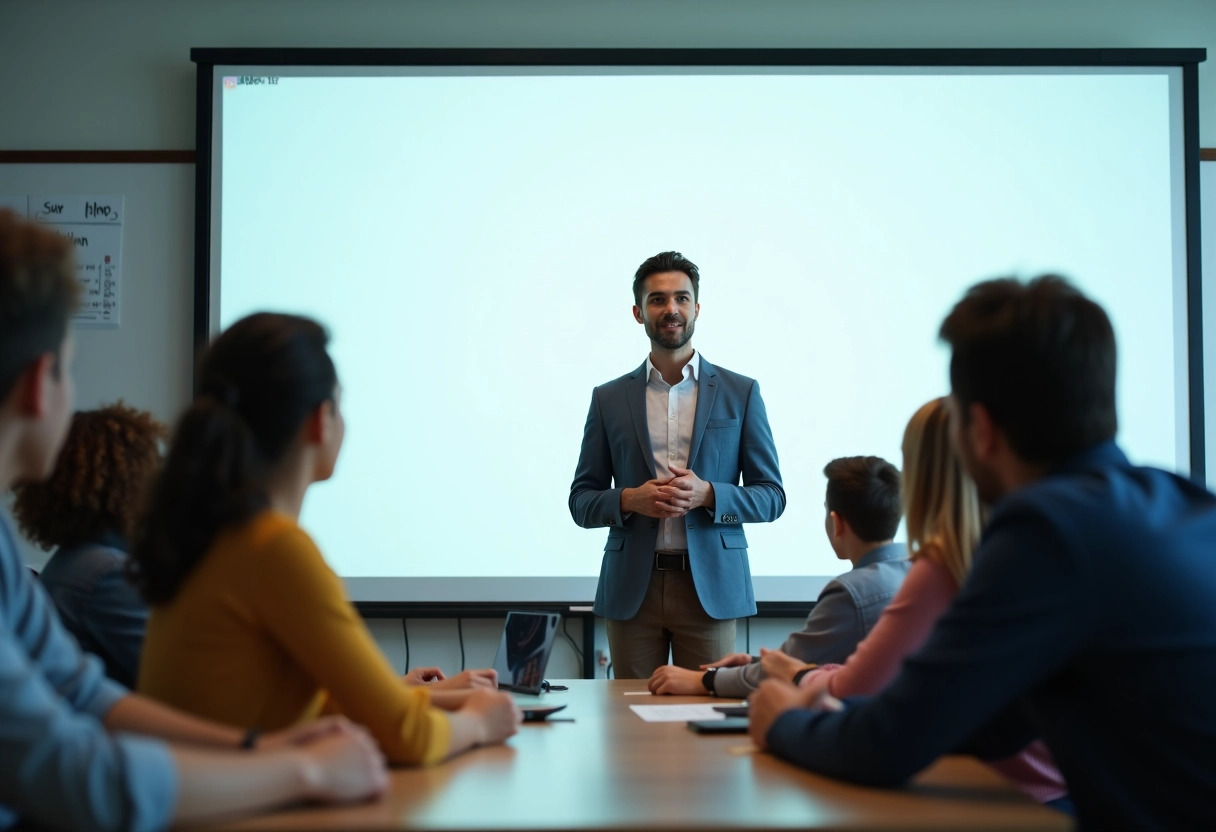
x=287, y=486
x=864, y=548
x=670, y=363
x=1015, y=474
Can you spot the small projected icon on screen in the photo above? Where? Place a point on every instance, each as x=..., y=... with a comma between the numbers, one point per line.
x=230, y=82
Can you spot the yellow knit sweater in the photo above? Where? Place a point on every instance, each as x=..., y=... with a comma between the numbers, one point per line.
x=261, y=635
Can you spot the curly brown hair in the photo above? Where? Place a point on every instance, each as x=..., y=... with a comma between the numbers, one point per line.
x=100, y=480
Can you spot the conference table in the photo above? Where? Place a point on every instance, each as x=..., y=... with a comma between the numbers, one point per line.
x=605, y=768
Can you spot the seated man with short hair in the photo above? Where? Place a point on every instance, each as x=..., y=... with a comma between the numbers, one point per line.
x=1088, y=615
x=863, y=510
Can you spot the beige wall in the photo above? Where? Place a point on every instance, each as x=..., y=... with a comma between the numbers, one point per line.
x=117, y=75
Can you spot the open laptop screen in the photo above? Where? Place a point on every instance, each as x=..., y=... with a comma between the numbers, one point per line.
x=523, y=652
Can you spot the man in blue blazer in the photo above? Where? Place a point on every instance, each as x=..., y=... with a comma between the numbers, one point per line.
x=663, y=452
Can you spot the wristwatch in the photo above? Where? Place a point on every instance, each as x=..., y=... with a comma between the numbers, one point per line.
x=707, y=681
x=798, y=676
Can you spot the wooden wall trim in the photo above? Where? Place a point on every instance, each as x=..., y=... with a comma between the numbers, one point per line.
x=97, y=157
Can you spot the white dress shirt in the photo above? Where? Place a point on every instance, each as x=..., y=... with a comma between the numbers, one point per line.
x=670, y=411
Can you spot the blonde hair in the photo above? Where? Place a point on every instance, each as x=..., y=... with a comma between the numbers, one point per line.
x=941, y=506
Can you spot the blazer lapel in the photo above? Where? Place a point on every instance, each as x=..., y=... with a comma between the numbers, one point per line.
x=707, y=388
x=635, y=394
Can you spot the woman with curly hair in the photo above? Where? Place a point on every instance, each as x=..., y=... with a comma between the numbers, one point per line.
x=87, y=511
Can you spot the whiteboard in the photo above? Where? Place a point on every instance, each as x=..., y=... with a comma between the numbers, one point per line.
x=147, y=361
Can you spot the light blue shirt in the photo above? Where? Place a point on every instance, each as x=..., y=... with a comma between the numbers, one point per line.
x=61, y=768
x=670, y=413
x=847, y=609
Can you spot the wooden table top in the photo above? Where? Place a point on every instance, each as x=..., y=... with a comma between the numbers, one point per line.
x=608, y=769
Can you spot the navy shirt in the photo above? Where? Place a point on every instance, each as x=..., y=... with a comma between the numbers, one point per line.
x=97, y=603
x=1089, y=619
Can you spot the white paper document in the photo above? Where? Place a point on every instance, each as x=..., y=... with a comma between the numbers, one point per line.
x=676, y=713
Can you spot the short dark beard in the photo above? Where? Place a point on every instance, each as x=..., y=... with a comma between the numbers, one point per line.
x=673, y=341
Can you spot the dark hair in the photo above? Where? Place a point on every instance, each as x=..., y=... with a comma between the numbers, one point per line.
x=666, y=261
x=257, y=384
x=100, y=479
x=864, y=491
x=1040, y=357
x=38, y=293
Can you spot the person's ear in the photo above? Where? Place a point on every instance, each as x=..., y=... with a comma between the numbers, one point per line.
x=696, y=311
x=33, y=387
x=316, y=427
x=637, y=314
x=981, y=432
x=838, y=526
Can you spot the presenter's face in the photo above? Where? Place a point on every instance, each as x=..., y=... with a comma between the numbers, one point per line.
x=669, y=310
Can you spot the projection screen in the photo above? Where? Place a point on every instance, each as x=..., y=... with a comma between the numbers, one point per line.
x=467, y=224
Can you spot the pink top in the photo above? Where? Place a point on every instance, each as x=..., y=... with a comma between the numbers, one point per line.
x=902, y=629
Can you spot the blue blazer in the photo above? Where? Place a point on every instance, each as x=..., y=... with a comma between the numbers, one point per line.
x=731, y=439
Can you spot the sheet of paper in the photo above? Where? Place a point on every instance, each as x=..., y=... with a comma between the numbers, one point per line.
x=676, y=713
x=94, y=224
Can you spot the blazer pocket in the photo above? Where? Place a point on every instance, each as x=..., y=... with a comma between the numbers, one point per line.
x=734, y=540
x=721, y=423
x=614, y=544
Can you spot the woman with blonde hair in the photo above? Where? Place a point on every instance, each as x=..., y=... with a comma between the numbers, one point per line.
x=943, y=519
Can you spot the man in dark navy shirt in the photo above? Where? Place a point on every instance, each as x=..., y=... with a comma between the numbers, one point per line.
x=1089, y=617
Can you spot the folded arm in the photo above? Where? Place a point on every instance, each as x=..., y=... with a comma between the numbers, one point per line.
x=831, y=631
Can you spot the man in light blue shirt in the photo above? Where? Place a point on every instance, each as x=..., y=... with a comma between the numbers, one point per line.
x=863, y=511
x=78, y=751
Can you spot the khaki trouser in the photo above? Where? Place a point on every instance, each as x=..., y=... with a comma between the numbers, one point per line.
x=671, y=619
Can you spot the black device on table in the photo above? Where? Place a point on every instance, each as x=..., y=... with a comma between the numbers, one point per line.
x=729, y=725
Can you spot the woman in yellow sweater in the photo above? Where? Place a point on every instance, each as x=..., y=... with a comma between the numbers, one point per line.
x=249, y=625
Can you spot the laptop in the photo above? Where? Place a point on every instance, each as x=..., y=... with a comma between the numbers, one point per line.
x=523, y=651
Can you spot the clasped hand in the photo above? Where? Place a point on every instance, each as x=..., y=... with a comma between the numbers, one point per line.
x=667, y=498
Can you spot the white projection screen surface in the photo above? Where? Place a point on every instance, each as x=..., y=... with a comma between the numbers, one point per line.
x=469, y=234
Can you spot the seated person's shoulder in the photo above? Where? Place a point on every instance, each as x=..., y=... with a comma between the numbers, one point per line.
x=273, y=540
x=82, y=566
x=284, y=536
